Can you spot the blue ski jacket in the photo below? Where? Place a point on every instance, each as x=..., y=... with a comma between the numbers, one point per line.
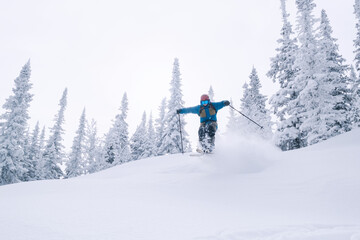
x=206, y=113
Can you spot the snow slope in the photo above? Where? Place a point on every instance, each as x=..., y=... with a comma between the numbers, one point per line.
x=246, y=190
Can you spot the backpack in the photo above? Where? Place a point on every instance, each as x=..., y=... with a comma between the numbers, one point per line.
x=212, y=110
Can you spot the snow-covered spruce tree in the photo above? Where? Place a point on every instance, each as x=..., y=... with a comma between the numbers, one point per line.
x=117, y=148
x=34, y=155
x=54, y=150
x=211, y=94
x=76, y=164
x=42, y=139
x=139, y=142
x=282, y=65
x=245, y=105
x=27, y=164
x=92, y=148
x=253, y=106
x=171, y=139
x=354, y=80
x=283, y=71
x=355, y=89
x=232, y=119
x=355, y=97
x=160, y=126
x=151, y=136
x=357, y=40
x=40, y=164
x=328, y=108
x=304, y=87
x=356, y=106
x=13, y=129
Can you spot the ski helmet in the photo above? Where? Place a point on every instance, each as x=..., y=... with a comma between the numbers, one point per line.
x=204, y=97
x=204, y=100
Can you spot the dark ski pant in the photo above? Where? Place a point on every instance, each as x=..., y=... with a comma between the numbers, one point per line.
x=206, y=133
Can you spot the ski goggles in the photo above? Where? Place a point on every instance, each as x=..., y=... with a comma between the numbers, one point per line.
x=206, y=102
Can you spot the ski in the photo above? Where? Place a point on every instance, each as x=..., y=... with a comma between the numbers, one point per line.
x=199, y=153
x=196, y=154
x=198, y=150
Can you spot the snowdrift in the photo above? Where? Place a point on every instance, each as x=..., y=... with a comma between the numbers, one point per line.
x=247, y=189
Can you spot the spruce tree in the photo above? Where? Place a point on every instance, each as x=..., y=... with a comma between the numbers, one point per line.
x=139, y=142
x=92, y=148
x=117, y=149
x=171, y=139
x=27, y=163
x=304, y=87
x=355, y=91
x=232, y=119
x=245, y=107
x=253, y=106
x=284, y=72
x=355, y=97
x=282, y=65
x=160, y=125
x=34, y=154
x=13, y=129
x=54, y=151
x=151, y=136
x=40, y=165
x=76, y=164
x=328, y=111
x=211, y=94
x=354, y=80
x=357, y=40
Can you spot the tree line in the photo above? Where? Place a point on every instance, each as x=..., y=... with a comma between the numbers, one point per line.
x=319, y=94
x=318, y=98
x=26, y=156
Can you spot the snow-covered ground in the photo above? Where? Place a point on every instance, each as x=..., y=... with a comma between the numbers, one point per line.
x=246, y=190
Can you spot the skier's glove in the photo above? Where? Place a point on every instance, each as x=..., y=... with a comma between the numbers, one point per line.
x=178, y=111
x=226, y=103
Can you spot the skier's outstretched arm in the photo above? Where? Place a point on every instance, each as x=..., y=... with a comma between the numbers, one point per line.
x=194, y=110
x=220, y=105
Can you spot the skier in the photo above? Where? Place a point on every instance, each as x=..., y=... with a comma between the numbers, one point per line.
x=208, y=125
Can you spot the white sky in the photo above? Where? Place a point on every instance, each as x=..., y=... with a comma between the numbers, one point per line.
x=100, y=49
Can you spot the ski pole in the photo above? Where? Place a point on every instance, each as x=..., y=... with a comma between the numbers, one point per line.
x=182, y=147
x=246, y=117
